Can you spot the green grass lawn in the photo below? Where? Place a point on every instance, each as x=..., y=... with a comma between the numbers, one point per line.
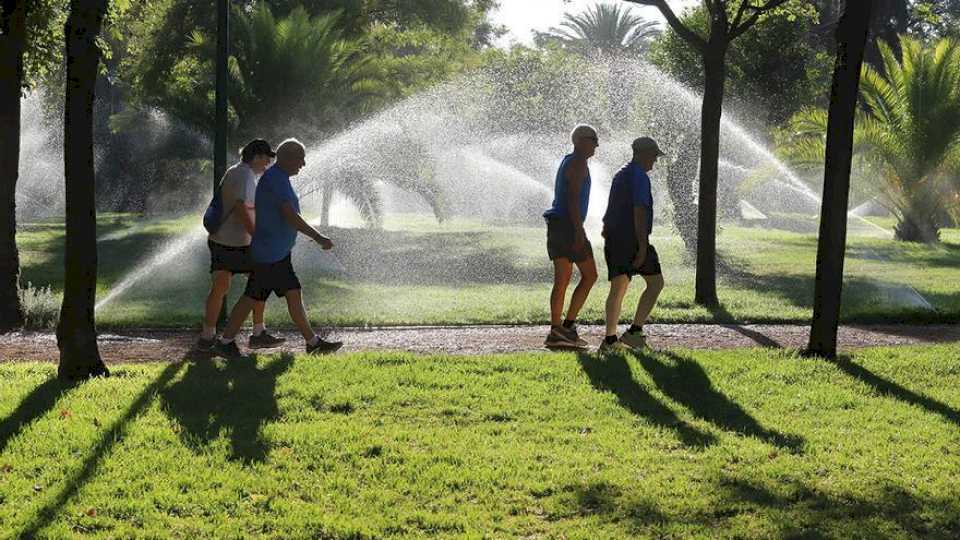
x=462, y=272
x=747, y=443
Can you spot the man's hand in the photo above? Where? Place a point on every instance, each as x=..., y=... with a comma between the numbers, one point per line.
x=641, y=257
x=324, y=242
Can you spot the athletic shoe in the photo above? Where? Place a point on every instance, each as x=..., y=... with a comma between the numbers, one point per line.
x=205, y=345
x=324, y=347
x=560, y=338
x=573, y=336
x=229, y=351
x=617, y=347
x=635, y=340
x=264, y=340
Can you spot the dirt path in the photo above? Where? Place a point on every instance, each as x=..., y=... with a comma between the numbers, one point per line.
x=166, y=345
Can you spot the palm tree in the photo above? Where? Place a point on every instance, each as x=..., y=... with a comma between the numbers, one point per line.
x=831, y=245
x=76, y=331
x=603, y=28
x=300, y=65
x=13, y=38
x=909, y=133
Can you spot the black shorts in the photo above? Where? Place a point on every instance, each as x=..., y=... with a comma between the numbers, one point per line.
x=277, y=278
x=560, y=235
x=235, y=259
x=619, y=254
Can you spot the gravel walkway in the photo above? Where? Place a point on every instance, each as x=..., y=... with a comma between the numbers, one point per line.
x=165, y=345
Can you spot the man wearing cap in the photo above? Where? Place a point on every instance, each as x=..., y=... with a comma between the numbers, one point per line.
x=230, y=245
x=567, y=243
x=627, y=225
x=278, y=222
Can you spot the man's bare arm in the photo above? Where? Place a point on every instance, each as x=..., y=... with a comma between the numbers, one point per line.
x=640, y=227
x=246, y=216
x=297, y=222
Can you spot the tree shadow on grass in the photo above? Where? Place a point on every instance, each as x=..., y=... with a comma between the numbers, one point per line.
x=801, y=511
x=115, y=433
x=720, y=313
x=894, y=390
x=236, y=396
x=685, y=382
x=31, y=408
x=611, y=373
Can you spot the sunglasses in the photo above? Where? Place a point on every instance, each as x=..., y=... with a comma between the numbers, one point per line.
x=593, y=138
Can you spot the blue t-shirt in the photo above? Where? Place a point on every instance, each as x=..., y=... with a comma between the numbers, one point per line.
x=559, y=207
x=630, y=188
x=273, y=237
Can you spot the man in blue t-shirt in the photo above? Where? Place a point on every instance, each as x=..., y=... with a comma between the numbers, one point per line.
x=278, y=222
x=627, y=225
x=567, y=243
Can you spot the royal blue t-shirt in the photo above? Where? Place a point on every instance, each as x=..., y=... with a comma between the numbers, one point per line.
x=630, y=188
x=273, y=237
x=559, y=207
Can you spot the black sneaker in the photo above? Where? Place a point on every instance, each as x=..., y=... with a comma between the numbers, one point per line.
x=205, y=345
x=264, y=340
x=324, y=347
x=227, y=350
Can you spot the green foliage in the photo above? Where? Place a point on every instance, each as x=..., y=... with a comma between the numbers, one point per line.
x=772, y=70
x=758, y=443
x=606, y=29
x=41, y=307
x=44, y=51
x=909, y=134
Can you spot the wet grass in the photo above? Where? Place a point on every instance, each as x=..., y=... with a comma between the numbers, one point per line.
x=744, y=443
x=465, y=272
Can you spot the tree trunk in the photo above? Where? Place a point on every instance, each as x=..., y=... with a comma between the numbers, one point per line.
x=851, y=41
x=680, y=177
x=220, y=131
x=715, y=70
x=12, y=43
x=76, y=331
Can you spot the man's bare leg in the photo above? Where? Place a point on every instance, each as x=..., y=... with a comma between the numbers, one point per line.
x=588, y=276
x=648, y=299
x=298, y=314
x=218, y=291
x=239, y=314
x=618, y=289
x=562, y=271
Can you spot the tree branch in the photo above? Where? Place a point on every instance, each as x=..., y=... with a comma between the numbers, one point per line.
x=698, y=42
x=737, y=30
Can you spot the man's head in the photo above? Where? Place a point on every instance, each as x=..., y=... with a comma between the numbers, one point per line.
x=257, y=154
x=291, y=156
x=585, y=141
x=645, y=152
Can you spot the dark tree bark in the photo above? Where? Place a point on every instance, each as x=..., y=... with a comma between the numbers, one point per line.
x=76, y=331
x=13, y=37
x=713, y=51
x=220, y=131
x=851, y=42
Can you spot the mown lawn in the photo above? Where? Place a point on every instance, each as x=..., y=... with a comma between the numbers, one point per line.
x=745, y=443
x=465, y=272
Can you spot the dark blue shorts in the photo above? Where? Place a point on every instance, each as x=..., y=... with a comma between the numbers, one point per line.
x=277, y=278
x=619, y=254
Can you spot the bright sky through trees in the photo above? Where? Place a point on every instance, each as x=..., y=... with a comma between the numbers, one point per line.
x=522, y=17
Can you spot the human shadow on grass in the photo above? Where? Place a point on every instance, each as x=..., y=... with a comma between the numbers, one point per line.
x=112, y=435
x=602, y=500
x=685, y=381
x=611, y=373
x=889, y=388
x=31, y=408
x=236, y=396
x=807, y=512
